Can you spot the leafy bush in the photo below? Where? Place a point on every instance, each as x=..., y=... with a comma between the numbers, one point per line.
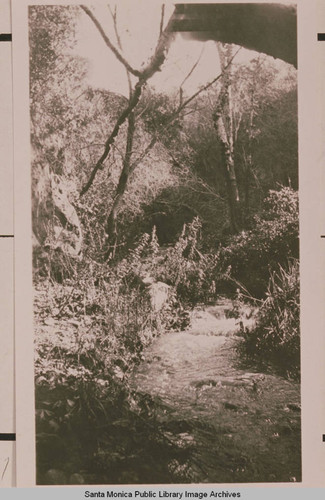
x=91, y=330
x=90, y=334
x=194, y=275
x=276, y=337
x=272, y=241
x=88, y=420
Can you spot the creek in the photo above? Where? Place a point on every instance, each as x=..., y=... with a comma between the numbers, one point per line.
x=237, y=424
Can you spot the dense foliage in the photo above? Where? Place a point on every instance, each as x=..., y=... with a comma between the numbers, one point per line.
x=276, y=337
x=95, y=308
x=88, y=419
x=91, y=332
x=273, y=240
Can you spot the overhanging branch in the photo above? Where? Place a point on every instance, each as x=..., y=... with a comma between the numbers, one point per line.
x=176, y=113
x=109, y=44
x=132, y=104
x=152, y=67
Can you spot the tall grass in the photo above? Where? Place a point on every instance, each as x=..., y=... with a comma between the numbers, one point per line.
x=275, y=338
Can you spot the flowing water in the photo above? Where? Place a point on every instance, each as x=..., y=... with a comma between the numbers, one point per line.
x=236, y=424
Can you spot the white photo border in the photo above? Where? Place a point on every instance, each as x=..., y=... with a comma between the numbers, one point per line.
x=311, y=81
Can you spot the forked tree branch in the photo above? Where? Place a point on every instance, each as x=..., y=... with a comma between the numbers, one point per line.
x=208, y=85
x=128, y=110
x=109, y=44
x=176, y=113
x=119, y=43
x=152, y=67
x=188, y=76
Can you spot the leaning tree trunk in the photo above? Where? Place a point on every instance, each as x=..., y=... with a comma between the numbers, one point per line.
x=111, y=223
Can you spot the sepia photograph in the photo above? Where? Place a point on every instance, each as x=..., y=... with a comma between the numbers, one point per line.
x=165, y=233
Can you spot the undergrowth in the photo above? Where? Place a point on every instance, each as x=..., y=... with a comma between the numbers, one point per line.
x=272, y=240
x=93, y=321
x=275, y=338
x=92, y=326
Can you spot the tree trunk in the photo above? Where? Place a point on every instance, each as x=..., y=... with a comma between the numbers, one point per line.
x=223, y=122
x=111, y=225
x=230, y=176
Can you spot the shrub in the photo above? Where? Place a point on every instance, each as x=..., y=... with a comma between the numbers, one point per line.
x=274, y=239
x=276, y=338
x=91, y=331
x=90, y=334
x=88, y=421
x=194, y=275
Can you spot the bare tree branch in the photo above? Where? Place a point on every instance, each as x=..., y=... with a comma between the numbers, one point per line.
x=111, y=229
x=109, y=44
x=119, y=43
x=208, y=85
x=188, y=75
x=152, y=67
x=175, y=115
x=114, y=18
x=198, y=181
x=160, y=53
x=162, y=19
x=156, y=60
x=132, y=104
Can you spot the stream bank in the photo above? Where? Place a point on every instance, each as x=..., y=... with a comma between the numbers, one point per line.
x=236, y=424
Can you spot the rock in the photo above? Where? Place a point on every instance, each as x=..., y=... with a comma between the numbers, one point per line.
x=205, y=383
x=49, y=321
x=159, y=295
x=51, y=195
x=68, y=234
x=76, y=479
x=185, y=436
x=232, y=24
x=55, y=476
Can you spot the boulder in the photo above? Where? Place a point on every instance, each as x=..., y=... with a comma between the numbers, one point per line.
x=55, y=221
x=158, y=292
